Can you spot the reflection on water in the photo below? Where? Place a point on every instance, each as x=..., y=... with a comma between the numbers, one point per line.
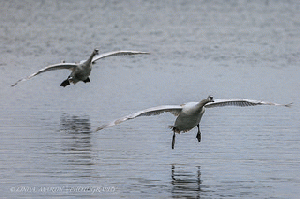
x=229, y=49
x=77, y=140
x=75, y=124
x=185, y=183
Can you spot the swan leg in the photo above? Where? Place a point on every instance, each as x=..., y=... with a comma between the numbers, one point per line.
x=173, y=140
x=87, y=80
x=65, y=83
x=198, y=136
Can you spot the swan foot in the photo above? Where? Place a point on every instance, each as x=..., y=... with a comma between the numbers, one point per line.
x=198, y=136
x=173, y=140
x=87, y=80
x=65, y=83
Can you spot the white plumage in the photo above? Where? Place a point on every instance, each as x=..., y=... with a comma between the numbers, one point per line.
x=189, y=114
x=80, y=71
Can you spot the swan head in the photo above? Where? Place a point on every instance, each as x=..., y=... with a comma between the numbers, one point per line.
x=95, y=52
x=205, y=101
x=210, y=99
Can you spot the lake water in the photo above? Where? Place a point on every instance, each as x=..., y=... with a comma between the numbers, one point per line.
x=228, y=49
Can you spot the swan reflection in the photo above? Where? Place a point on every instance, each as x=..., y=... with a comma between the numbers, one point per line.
x=186, y=184
x=76, y=139
x=75, y=124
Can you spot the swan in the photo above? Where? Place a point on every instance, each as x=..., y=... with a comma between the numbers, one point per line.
x=80, y=71
x=189, y=114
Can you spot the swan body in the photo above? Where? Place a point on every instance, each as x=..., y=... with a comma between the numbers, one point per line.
x=189, y=114
x=82, y=70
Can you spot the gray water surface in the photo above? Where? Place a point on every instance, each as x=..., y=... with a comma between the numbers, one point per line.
x=228, y=49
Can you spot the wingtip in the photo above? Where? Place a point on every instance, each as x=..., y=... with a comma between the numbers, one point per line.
x=20, y=80
x=99, y=128
x=12, y=85
x=288, y=105
x=138, y=53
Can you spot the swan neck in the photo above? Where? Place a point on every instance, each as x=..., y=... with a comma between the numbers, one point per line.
x=90, y=59
x=201, y=104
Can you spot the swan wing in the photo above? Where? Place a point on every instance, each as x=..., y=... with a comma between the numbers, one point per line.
x=240, y=102
x=59, y=66
x=117, y=53
x=174, y=109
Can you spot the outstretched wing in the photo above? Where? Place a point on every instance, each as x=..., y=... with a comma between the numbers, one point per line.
x=174, y=109
x=117, y=53
x=240, y=102
x=59, y=66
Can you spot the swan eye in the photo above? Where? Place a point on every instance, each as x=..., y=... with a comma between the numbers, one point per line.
x=210, y=98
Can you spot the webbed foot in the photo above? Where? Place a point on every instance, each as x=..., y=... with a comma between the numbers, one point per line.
x=87, y=80
x=65, y=83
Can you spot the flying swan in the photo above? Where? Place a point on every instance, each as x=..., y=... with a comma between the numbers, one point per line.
x=189, y=114
x=82, y=70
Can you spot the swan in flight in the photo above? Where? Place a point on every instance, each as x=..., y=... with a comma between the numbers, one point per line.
x=189, y=114
x=80, y=71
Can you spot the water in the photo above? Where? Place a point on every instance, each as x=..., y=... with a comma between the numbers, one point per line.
x=228, y=49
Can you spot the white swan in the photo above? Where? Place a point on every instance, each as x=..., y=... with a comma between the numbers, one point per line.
x=80, y=71
x=189, y=114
